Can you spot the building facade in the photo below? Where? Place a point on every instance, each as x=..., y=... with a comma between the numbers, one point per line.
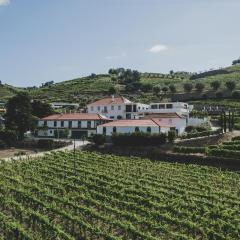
x=75, y=125
x=117, y=108
x=150, y=126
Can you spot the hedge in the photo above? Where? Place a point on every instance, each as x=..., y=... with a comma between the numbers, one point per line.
x=224, y=153
x=139, y=139
x=181, y=149
x=236, y=138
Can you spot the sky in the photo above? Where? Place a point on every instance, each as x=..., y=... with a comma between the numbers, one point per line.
x=56, y=40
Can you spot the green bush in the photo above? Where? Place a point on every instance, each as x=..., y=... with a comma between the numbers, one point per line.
x=171, y=136
x=224, y=153
x=46, y=143
x=182, y=149
x=8, y=136
x=200, y=134
x=2, y=144
x=139, y=139
x=236, y=138
x=98, y=139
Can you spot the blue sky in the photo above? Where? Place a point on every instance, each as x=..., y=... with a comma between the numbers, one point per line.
x=44, y=40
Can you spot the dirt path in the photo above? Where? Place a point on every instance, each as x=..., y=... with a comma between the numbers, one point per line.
x=78, y=145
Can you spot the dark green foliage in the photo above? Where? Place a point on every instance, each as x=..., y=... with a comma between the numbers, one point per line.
x=41, y=109
x=172, y=88
x=2, y=144
x=215, y=85
x=235, y=62
x=199, y=86
x=112, y=90
x=139, y=139
x=219, y=94
x=171, y=136
x=46, y=143
x=224, y=153
x=19, y=114
x=195, y=129
x=209, y=73
x=98, y=139
x=236, y=138
x=182, y=149
x=236, y=95
x=165, y=89
x=9, y=137
x=156, y=90
x=231, y=85
x=146, y=87
x=200, y=134
x=188, y=87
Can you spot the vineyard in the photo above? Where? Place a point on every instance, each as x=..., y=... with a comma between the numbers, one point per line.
x=94, y=196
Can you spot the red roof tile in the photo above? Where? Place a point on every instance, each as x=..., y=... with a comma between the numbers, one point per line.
x=135, y=123
x=75, y=116
x=110, y=101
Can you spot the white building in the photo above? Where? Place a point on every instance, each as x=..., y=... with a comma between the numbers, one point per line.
x=73, y=125
x=136, y=125
x=180, y=108
x=56, y=105
x=177, y=121
x=117, y=108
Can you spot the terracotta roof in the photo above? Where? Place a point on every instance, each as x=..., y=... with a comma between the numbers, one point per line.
x=110, y=101
x=75, y=116
x=162, y=115
x=135, y=123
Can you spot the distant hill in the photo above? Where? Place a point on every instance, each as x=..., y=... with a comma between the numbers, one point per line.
x=89, y=88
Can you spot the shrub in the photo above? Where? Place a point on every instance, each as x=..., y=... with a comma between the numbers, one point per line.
x=8, y=136
x=236, y=95
x=99, y=139
x=46, y=143
x=224, y=153
x=139, y=139
x=171, y=136
x=219, y=94
x=2, y=144
x=189, y=129
x=201, y=134
x=237, y=138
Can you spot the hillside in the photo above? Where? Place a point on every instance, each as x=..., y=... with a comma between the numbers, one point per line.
x=89, y=88
x=7, y=91
x=93, y=196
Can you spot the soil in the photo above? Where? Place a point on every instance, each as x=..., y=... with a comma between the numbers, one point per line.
x=12, y=152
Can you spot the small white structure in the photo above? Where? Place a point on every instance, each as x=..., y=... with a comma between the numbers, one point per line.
x=56, y=105
x=179, y=122
x=117, y=108
x=75, y=125
x=180, y=108
x=136, y=125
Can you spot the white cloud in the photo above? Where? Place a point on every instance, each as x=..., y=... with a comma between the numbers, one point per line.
x=158, y=48
x=4, y=2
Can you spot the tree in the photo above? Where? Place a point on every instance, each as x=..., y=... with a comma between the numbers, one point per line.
x=146, y=87
x=219, y=94
x=19, y=114
x=172, y=88
x=171, y=136
x=231, y=85
x=112, y=90
x=199, y=86
x=215, y=85
x=99, y=139
x=188, y=87
x=41, y=109
x=156, y=90
x=165, y=89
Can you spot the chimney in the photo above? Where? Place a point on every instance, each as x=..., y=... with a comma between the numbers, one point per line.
x=113, y=99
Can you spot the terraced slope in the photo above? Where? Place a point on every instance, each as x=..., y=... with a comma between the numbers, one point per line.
x=109, y=197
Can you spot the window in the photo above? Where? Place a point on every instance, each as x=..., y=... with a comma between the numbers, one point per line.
x=88, y=124
x=119, y=117
x=105, y=109
x=50, y=131
x=104, y=130
x=62, y=123
x=161, y=106
x=154, y=106
x=112, y=107
x=70, y=124
x=169, y=106
x=45, y=123
x=112, y=117
x=98, y=108
x=92, y=108
x=114, y=129
x=136, y=129
x=149, y=129
x=119, y=108
x=55, y=123
x=79, y=124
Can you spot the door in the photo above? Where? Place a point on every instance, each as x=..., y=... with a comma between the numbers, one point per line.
x=79, y=134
